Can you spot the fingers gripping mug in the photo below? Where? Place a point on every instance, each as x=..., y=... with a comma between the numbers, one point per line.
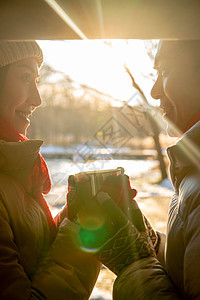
x=83, y=187
x=96, y=178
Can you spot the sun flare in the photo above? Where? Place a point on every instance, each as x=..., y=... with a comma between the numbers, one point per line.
x=100, y=64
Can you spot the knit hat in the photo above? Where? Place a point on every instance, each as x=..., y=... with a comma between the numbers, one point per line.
x=13, y=51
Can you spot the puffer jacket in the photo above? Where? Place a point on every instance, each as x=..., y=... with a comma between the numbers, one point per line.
x=31, y=266
x=147, y=279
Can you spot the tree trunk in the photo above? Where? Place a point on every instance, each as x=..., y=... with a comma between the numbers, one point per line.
x=158, y=148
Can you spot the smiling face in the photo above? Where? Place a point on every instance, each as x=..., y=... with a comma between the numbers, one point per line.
x=177, y=85
x=19, y=95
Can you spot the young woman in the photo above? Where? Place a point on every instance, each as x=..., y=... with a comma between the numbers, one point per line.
x=37, y=257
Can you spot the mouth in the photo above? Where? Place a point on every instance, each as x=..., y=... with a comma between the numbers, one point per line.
x=167, y=110
x=24, y=115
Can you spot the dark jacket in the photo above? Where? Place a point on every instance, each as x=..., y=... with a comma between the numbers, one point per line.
x=31, y=267
x=147, y=279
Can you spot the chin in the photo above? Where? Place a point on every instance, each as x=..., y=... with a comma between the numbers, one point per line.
x=172, y=129
x=172, y=132
x=22, y=131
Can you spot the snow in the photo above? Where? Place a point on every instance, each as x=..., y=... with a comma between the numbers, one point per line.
x=100, y=295
x=167, y=184
x=79, y=152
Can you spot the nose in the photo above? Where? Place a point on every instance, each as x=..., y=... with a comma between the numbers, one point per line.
x=35, y=98
x=157, y=89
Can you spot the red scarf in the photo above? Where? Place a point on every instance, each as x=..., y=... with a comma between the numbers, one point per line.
x=39, y=182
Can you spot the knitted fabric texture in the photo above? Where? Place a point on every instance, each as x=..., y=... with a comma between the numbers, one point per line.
x=13, y=51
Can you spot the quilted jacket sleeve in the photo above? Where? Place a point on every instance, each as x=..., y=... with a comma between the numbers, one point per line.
x=192, y=249
x=65, y=273
x=147, y=279
x=13, y=279
x=144, y=279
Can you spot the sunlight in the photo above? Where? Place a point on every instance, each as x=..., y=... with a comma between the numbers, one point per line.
x=101, y=69
x=62, y=14
x=100, y=15
x=100, y=64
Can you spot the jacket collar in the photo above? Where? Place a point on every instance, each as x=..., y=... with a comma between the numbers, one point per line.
x=184, y=156
x=18, y=155
x=17, y=159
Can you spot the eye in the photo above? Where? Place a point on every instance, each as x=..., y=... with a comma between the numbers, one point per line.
x=159, y=73
x=163, y=72
x=26, y=78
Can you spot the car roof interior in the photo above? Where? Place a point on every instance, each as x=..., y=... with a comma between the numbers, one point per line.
x=99, y=19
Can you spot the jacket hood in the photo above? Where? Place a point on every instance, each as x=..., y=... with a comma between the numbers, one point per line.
x=184, y=156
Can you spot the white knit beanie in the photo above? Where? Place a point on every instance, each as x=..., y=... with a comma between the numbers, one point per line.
x=13, y=51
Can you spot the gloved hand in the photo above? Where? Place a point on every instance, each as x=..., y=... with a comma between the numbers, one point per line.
x=80, y=196
x=110, y=236
x=119, y=189
x=80, y=204
x=125, y=244
x=74, y=198
x=117, y=243
x=79, y=200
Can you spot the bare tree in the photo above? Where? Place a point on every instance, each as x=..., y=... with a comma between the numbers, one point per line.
x=151, y=47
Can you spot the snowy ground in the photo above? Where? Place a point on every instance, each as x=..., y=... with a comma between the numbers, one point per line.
x=153, y=198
